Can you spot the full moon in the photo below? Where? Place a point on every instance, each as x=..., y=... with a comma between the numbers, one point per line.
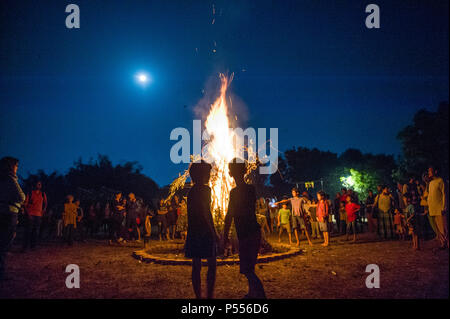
x=142, y=78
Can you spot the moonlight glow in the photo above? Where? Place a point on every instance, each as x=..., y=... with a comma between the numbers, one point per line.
x=142, y=78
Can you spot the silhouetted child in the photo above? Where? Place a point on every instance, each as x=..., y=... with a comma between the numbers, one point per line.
x=162, y=220
x=284, y=223
x=201, y=239
x=69, y=217
x=398, y=224
x=182, y=219
x=342, y=217
x=412, y=220
x=241, y=208
x=147, y=228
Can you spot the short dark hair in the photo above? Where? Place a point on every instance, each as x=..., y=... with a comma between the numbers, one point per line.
x=200, y=172
x=237, y=166
x=7, y=164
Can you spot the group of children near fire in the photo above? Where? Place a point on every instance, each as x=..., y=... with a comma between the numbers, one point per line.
x=413, y=210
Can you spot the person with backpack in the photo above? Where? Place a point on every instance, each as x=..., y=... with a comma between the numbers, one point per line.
x=35, y=208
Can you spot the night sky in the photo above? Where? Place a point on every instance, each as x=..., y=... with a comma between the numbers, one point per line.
x=310, y=68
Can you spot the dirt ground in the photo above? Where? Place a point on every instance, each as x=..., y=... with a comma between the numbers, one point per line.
x=337, y=271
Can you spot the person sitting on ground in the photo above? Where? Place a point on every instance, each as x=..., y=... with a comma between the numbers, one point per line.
x=202, y=238
x=284, y=223
x=241, y=209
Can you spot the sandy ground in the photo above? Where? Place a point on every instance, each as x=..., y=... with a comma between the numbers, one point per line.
x=337, y=271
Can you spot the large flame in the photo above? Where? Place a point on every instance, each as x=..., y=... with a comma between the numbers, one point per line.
x=220, y=151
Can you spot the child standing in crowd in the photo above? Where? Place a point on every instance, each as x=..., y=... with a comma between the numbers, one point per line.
x=351, y=208
x=322, y=216
x=284, y=216
x=398, y=224
x=59, y=221
x=172, y=216
x=273, y=210
x=70, y=218
x=182, y=220
x=311, y=208
x=298, y=214
x=81, y=222
x=117, y=218
x=148, y=228
x=412, y=220
x=202, y=238
x=342, y=217
x=91, y=220
x=264, y=217
x=162, y=220
x=106, y=220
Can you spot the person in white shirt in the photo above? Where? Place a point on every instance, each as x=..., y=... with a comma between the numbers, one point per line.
x=436, y=201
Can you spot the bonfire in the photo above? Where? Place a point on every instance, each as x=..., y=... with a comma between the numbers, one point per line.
x=219, y=150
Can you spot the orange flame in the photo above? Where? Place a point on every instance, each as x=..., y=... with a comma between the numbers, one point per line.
x=220, y=150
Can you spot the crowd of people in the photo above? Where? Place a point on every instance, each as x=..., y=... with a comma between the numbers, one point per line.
x=409, y=211
x=120, y=220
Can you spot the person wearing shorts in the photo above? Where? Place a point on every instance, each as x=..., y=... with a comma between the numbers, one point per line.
x=298, y=213
x=284, y=215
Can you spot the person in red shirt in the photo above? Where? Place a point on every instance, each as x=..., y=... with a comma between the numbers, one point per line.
x=351, y=209
x=322, y=213
x=35, y=207
x=343, y=195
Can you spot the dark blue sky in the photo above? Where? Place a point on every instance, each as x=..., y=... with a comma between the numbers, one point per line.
x=312, y=69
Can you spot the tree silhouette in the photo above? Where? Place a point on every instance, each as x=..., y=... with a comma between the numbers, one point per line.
x=96, y=180
x=425, y=142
